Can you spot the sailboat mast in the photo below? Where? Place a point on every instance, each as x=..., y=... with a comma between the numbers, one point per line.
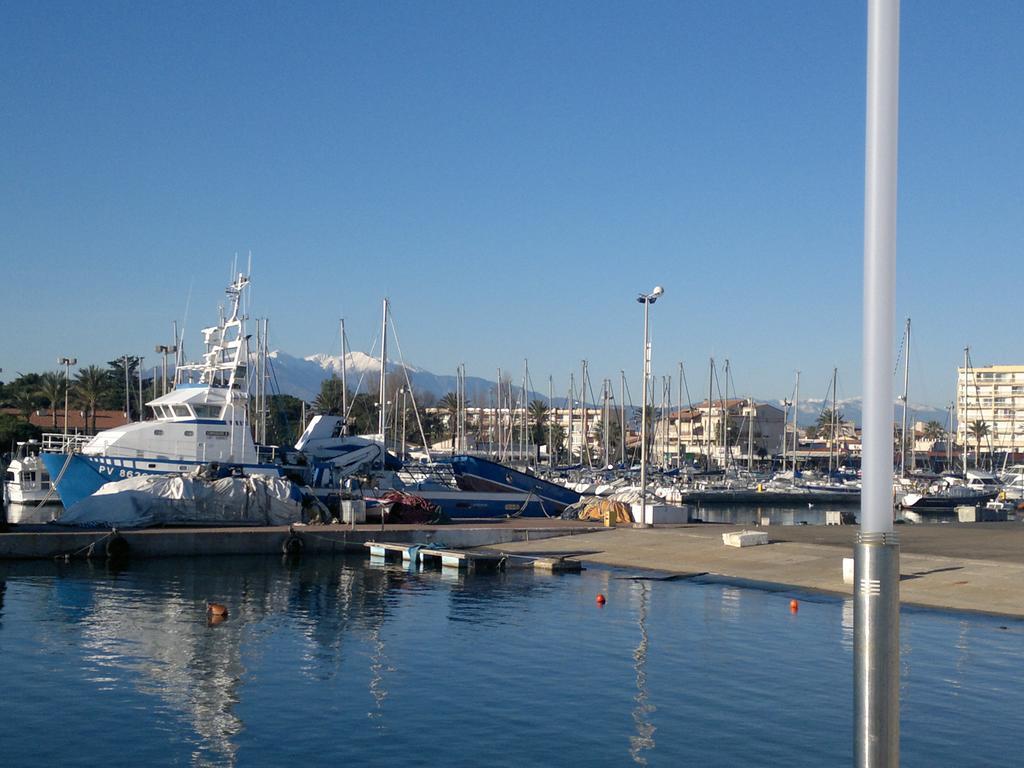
x=711, y=380
x=725, y=417
x=344, y=382
x=679, y=420
x=622, y=415
x=832, y=421
x=572, y=396
x=796, y=425
x=964, y=411
x=382, y=420
x=551, y=416
x=906, y=390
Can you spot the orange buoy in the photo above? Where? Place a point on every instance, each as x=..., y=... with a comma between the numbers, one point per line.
x=217, y=609
x=600, y=599
x=794, y=606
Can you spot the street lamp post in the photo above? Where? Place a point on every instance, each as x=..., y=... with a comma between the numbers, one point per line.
x=877, y=554
x=646, y=299
x=67, y=362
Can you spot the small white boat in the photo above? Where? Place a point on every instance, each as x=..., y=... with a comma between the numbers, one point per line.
x=27, y=480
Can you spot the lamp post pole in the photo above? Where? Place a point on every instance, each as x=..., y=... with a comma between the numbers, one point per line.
x=877, y=552
x=67, y=362
x=646, y=299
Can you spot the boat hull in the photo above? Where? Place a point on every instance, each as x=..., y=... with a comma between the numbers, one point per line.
x=84, y=475
x=482, y=476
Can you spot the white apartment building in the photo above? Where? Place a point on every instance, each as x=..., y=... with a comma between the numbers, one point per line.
x=993, y=395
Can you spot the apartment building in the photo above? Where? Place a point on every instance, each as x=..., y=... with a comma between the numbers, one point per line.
x=994, y=396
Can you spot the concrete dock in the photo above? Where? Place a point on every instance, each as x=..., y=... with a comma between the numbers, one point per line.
x=962, y=567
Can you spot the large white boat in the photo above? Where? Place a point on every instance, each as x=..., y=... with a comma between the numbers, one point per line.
x=203, y=420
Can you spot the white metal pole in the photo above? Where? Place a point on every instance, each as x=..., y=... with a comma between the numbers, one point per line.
x=381, y=422
x=876, y=555
x=643, y=415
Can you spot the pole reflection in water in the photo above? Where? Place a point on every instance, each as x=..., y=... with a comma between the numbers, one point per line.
x=643, y=709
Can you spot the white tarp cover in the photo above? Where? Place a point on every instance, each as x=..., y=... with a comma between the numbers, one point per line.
x=149, y=500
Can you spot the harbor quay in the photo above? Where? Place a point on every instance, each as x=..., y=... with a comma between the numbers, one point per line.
x=975, y=567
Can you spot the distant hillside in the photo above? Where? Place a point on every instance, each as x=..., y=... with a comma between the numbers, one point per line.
x=301, y=377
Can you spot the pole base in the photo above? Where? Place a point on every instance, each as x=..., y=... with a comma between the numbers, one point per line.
x=876, y=650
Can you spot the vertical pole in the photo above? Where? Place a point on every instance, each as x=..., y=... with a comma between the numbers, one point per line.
x=711, y=379
x=142, y=413
x=906, y=392
x=796, y=424
x=551, y=416
x=876, y=554
x=964, y=411
x=344, y=382
x=643, y=416
x=622, y=415
x=679, y=420
x=381, y=421
x=127, y=392
x=67, y=389
x=572, y=396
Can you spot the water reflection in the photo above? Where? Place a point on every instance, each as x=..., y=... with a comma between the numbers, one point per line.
x=146, y=626
x=644, y=738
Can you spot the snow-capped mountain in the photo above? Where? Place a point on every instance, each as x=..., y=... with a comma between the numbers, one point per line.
x=851, y=408
x=301, y=377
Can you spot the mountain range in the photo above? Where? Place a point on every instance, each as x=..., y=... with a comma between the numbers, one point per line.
x=301, y=377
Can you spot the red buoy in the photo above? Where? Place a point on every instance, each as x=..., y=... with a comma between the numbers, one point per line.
x=600, y=599
x=794, y=606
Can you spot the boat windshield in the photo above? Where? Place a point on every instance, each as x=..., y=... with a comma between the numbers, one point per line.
x=207, y=411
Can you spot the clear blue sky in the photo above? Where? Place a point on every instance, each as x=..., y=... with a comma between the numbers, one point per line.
x=511, y=174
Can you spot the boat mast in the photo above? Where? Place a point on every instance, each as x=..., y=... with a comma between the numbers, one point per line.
x=711, y=379
x=551, y=416
x=965, y=411
x=679, y=420
x=572, y=396
x=344, y=382
x=796, y=425
x=622, y=415
x=605, y=418
x=906, y=389
x=382, y=419
x=832, y=422
x=725, y=418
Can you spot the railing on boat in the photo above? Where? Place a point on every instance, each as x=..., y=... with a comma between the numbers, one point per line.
x=58, y=442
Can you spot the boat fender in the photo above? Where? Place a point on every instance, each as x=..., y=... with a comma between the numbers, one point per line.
x=292, y=545
x=117, y=547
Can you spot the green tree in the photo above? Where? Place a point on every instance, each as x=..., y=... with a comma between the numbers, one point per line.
x=51, y=388
x=824, y=424
x=977, y=429
x=934, y=431
x=537, y=413
x=14, y=430
x=91, y=385
x=330, y=399
x=449, y=404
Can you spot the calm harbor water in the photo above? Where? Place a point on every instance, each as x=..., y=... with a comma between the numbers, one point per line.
x=333, y=659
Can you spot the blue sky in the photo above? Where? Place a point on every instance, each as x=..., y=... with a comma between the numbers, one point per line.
x=511, y=174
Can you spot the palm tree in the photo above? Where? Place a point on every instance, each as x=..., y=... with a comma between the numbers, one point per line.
x=824, y=424
x=934, y=431
x=51, y=389
x=449, y=404
x=91, y=384
x=537, y=413
x=329, y=401
x=977, y=429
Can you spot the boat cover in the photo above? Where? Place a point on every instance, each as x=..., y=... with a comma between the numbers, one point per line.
x=149, y=500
